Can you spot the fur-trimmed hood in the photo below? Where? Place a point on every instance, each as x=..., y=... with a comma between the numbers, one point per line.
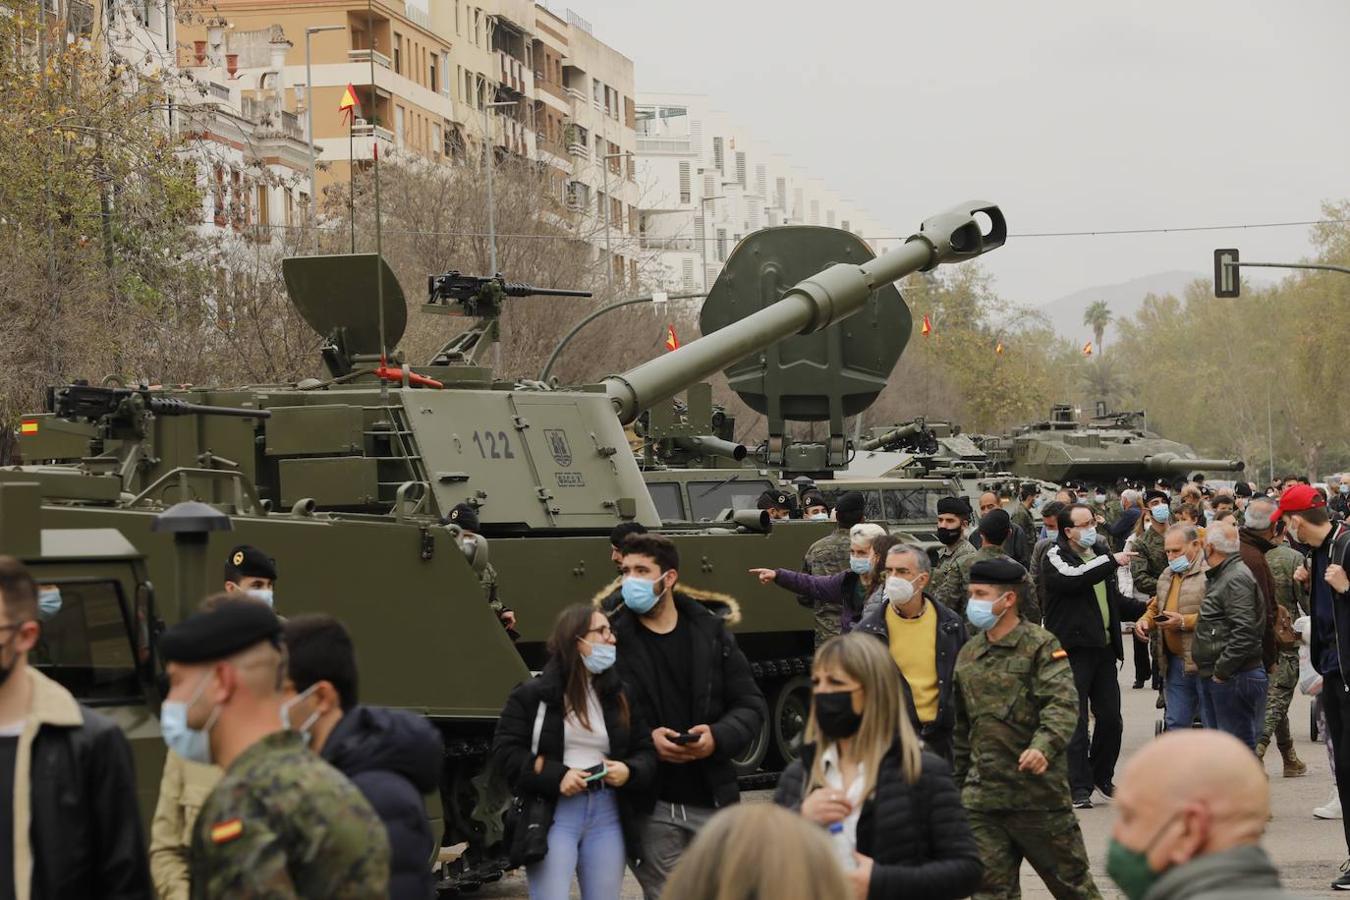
x=724, y=606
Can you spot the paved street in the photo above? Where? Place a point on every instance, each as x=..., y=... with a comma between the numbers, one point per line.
x=1306, y=849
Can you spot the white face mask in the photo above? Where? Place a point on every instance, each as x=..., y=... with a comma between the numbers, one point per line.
x=898, y=591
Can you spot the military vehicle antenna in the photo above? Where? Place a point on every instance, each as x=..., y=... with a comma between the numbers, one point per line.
x=379, y=243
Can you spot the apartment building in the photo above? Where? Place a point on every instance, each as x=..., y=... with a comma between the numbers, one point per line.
x=706, y=183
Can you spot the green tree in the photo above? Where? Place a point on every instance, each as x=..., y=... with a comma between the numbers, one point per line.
x=1097, y=316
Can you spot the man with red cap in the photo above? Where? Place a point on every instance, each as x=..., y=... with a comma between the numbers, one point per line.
x=1309, y=527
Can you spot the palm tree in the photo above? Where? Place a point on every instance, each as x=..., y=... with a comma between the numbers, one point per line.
x=1097, y=316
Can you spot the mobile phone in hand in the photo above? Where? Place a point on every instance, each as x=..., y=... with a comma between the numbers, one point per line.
x=596, y=772
x=684, y=738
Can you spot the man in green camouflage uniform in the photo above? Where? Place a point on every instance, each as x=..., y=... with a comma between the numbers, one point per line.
x=947, y=586
x=1151, y=556
x=1016, y=708
x=1292, y=596
x=995, y=528
x=1020, y=512
x=475, y=548
x=281, y=822
x=829, y=556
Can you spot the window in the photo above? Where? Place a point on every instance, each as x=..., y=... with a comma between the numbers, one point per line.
x=740, y=167
x=829, y=218
x=264, y=213
x=89, y=646
x=669, y=503
x=398, y=53
x=437, y=140
x=844, y=225
x=435, y=82
x=685, y=186
x=761, y=182
x=687, y=274
x=458, y=30
x=718, y=160
x=721, y=245
x=780, y=192
x=912, y=506
x=398, y=126
x=709, y=498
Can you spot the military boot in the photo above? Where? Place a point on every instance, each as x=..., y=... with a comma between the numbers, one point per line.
x=1293, y=766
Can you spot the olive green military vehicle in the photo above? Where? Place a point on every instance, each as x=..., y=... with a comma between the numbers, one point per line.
x=1105, y=449
x=345, y=481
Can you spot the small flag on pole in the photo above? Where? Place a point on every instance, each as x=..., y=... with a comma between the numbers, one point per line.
x=672, y=342
x=999, y=348
x=1087, y=349
x=927, y=327
x=350, y=105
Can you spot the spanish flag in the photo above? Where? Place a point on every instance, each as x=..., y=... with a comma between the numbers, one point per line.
x=1087, y=349
x=672, y=342
x=350, y=105
x=927, y=328
x=28, y=427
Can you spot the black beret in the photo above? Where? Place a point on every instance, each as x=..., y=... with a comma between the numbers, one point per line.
x=815, y=498
x=851, y=503
x=953, y=506
x=249, y=562
x=463, y=515
x=775, y=500
x=999, y=570
x=231, y=626
x=1150, y=496
x=1242, y=489
x=995, y=525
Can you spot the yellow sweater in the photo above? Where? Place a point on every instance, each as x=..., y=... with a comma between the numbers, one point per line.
x=914, y=649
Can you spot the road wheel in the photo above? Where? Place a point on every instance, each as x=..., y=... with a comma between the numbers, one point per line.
x=789, y=710
x=752, y=757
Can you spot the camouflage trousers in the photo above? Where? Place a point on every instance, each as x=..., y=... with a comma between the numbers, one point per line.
x=827, y=622
x=1049, y=839
x=1282, y=687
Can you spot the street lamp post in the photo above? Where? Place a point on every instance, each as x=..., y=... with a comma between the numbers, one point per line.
x=492, y=212
x=609, y=258
x=703, y=244
x=309, y=116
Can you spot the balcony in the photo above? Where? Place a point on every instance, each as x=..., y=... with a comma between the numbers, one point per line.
x=367, y=130
x=575, y=94
x=676, y=145
x=686, y=245
x=363, y=56
x=511, y=72
x=579, y=150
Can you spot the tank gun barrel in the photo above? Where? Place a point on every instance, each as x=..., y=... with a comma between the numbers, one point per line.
x=84, y=401
x=706, y=445
x=1171, y=464
x=815, y=303
x=894, y=436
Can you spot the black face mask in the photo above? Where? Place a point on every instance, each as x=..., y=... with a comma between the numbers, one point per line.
x=949, y=536
x=835, y=715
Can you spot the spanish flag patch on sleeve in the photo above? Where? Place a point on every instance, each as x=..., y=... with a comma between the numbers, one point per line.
x=1058, y=654
x=224, y=832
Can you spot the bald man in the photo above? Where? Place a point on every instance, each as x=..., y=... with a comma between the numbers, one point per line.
x=1190, y=811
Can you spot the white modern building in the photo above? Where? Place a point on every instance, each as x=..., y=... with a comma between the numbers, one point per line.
x=706, y=183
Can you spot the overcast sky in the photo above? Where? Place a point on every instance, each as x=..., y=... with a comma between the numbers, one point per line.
x=1070, y=115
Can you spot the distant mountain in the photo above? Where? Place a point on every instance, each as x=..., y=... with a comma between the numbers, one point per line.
x=1066, y=313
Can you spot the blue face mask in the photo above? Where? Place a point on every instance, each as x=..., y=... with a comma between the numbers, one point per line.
x=1087, y=537
x=192, y=744
x=1209, y=515
x=1052, y=533
x=980, y=613
x=639, y=594
x=263, y=594
x=601, y=658
x=860, y=565
x=49, y=603
x=1180, y=564
x=1344, y=489
x=1160, y=513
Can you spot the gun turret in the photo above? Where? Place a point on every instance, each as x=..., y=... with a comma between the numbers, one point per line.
x=92, y=403
x=810, y=306
x=895, y=437
x=707, y=445
x=1171, y=464
x=481, y=296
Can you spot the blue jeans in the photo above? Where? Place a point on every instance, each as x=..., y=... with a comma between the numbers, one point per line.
x=586, y=840
x=1183, y=695
x=1238, y=706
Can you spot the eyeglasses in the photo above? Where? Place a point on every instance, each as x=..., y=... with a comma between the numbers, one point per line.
x=604, y=631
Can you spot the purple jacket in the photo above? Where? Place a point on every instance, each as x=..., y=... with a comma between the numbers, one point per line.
x=838, y=590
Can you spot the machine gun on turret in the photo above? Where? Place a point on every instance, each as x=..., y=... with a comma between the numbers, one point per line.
x=479, y=297
x=87, y=402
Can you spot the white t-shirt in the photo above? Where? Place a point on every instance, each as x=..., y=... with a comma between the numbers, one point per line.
x=834, y=777
x=584, y=748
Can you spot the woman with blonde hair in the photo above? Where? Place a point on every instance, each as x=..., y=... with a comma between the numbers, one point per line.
x=864, y=776
x=734, y=858
x=850, y=589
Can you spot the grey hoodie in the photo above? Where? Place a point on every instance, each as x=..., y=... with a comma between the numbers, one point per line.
x=1242, y=873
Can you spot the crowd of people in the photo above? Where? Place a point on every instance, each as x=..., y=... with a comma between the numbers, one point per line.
x=963, y=707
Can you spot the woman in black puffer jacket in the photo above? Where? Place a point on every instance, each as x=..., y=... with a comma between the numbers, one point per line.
x=863, y=775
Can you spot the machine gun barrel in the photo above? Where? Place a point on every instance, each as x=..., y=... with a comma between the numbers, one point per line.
x=812, y=305
x=516, y=289
x=84, y=401
x=706, y=445
x=895, y=435
x=1171, y=464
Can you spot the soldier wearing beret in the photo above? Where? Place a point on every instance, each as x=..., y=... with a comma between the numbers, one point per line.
x=281, y=822
x=946, y=586
x=1016, y=709
x=829, y=556
x=780, y=504
x=249, y=569
x=815, y=507
x=466, y=517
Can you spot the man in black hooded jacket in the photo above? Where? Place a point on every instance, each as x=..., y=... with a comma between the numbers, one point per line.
x=392, y=756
